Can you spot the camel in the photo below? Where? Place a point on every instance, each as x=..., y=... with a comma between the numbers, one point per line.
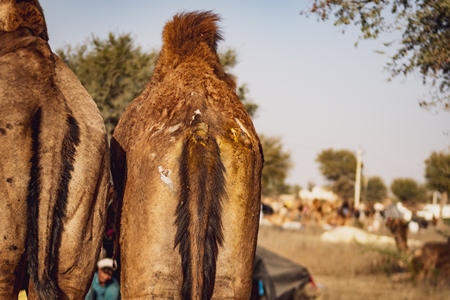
x=54, y=164
x=399, y=229
x=186, y=163
x=432, y=260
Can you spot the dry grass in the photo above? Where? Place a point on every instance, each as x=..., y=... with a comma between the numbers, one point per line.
x=348, y=271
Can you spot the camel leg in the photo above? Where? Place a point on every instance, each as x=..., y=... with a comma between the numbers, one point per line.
x=10, y=284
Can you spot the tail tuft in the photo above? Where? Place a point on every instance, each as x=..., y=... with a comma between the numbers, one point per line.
x=46, y=289
x=187, y=31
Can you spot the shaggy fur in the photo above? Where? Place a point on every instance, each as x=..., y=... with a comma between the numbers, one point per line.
x=15, y=14
x=187, y=163
x=54, y=165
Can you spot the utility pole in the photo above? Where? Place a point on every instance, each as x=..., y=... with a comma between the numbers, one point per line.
x=435, y=195
x=366, y=184
x=358, y=179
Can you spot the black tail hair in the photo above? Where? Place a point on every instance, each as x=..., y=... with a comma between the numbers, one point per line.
x=45, y=281
x=199, y=225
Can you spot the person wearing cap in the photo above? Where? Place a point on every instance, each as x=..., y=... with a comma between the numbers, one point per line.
x=104, y=285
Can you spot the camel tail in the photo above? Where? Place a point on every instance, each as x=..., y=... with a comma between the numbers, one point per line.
x=199, y=225
x=48, y=205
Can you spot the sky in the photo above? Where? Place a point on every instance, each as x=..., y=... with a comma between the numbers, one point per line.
x=315, y=89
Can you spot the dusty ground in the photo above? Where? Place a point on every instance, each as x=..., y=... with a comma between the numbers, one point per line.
x=352, y=271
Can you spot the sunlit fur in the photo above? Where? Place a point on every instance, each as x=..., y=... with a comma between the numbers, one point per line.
x=15, y=14
x=54, y=164
x=187, y=162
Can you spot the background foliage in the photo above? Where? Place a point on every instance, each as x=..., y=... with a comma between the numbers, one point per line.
x=437, y=171
x=408, y=191
x=113, y=70
x=423, y=47
x=339, y=168
x=376, y=190
x=277, y=163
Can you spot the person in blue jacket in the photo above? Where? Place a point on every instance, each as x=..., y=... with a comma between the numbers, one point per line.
x=104, y=285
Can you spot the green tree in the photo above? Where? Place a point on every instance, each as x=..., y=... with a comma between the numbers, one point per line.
x=113, y=70
x=425, y=36
x=339, y=167
x=376, y=190
x=408, y=191
x=228, y=59
x=277, y=163
x=437, y=174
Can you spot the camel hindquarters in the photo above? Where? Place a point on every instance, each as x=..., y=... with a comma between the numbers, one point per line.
x=15, y=152
x=240, y=218
x=12, y=245
x=83, y=233
x=13, y=187
x=85, y=219
x=189, y=161
x=86, y=213
x=150, y=264
x=54, y=164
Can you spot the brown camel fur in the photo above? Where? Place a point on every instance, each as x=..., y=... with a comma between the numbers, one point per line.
x=187, y=161
x=432, y=260
x=429, y=261
x=399, y=229
x=54, y=164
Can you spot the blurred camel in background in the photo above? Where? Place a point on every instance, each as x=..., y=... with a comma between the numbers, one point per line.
x=432, y=260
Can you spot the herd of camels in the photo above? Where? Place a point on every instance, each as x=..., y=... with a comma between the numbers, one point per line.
x=184, y=162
